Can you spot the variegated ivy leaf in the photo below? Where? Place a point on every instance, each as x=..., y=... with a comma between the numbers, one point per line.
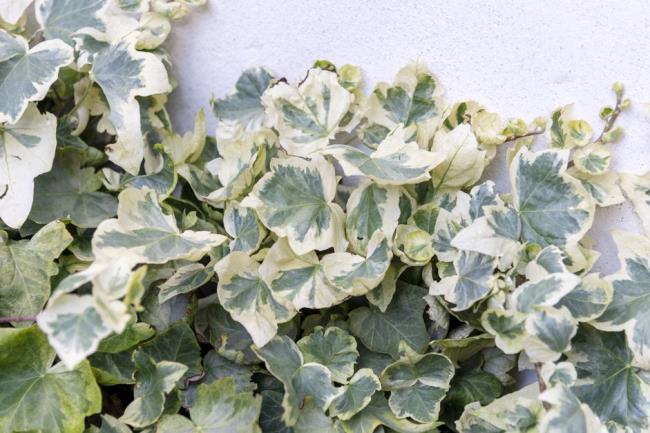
x=508, y=328
x=12, y=10
x=26, y=267
x=413, y=246
x=333, y=348
x=219, y=408
x=284, y=360
x=629, y=306
x=396, y=161
x=356, y=275
x=110, y=425
x=74, y=327
x=294, y=200
x=550, y=331
x=589, y=299
x=637, y=190
x=62, y=18
x=124, y=73
x=554, y=208
x=495, y=234
x=604, y=188
x=249, y=299
x=567, y=413
x=463, y=161
x=26, y=150
x=609, y=382
x=186, y=279
x=546, y=291
x=377, y=414
x=26, y=74
x=39, y=396
x=356, y=395
x=244, y=104
x=300, y=279
x=413, y=101
x=243, y=226
x=143, y=233
x=593, y=159
x=517, y=412
x=566, y=132
x=71, y=191
x=473, y=280
x=308, y=116
x=417, y=385
x=402, y=322
x=154, y=380
x=371, y=208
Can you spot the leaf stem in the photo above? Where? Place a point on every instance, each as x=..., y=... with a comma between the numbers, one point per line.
x=17, y=319
x=540, y=382
x=611, y=119
x=528, y=134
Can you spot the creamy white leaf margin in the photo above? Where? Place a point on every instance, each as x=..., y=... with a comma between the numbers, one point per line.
x=308, y=116
x=26, y=150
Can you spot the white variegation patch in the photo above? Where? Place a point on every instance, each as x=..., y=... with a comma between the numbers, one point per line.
x=637, y=190
x=308, y=116
x=593, y=159
x=395, y=162
x=249, y=299
x=463, y=162
x=12, y=10
x=604, y=188
x=26, y=74
x=546, y=291
x=63, y=18
x=568, y=414
x=26, y=150
x=550, y=331
x=124, y=73
x=566, y=132
x=243, y=227
x=294, y=200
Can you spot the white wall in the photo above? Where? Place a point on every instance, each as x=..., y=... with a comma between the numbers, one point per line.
x=518, y=57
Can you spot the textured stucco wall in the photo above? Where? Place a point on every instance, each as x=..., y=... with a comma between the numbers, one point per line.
x=518, y=57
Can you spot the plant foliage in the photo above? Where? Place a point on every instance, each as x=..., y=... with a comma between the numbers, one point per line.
x=330, y=261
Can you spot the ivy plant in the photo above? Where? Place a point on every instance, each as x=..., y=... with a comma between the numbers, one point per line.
x=333, y=259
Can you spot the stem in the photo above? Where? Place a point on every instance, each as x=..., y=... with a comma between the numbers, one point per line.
x=17, y=319
x=528, y=134
x=540, y=382
x=612, y=117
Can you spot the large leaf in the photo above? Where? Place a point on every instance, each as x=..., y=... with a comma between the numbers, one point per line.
x=26, y=150
x=70, y=191
x=28, y=73
x=244, y=104
x=26, y=267
x=295, y=200
x=554, y=208
x=463, y=162
x=401, y=322
x=568, y=414
x=62, y=18
x=219, y=408
x=39, y=396
x=307, y=117
x=608, y=381
x=334, y=348
x=395, y=162
x=124, y=73
x=12, y=10
x=630, y=302
x=249, y=299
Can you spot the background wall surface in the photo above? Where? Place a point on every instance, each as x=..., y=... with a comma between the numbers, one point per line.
x=520, y=58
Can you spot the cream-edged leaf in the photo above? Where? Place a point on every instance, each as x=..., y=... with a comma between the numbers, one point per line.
x=243, y=227
x=395, y=162
x=508, y=328
x=473, y=280
x=28, y=73
x=356, y=395
x=123, y=73
x=333, y=348
x=593, y=159
x=12, y=10
x=308, y=116
x=63, y=18
x=637, y=190
x=554, y=208
x=244, y=104
x=604, y=188
x=567, y=413
x=550, y=331
x=357, y=275
x=371, y=208
x=630, y=301
x=143, y=233
x=589, y=299
x=26, y=150
x=294, y=200
x=249, y=299
x=546, y=291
